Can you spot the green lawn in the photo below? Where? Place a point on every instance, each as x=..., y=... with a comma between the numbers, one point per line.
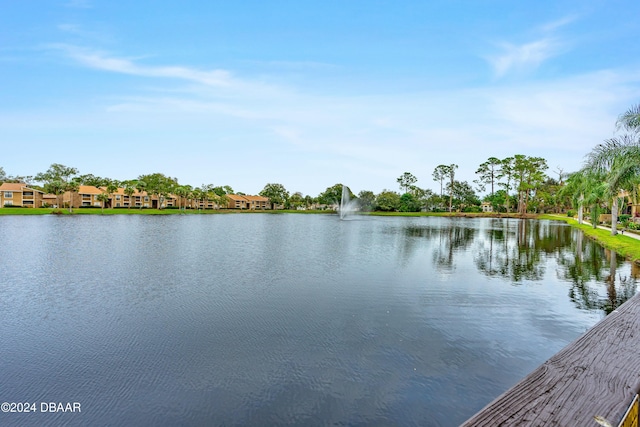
x=25, y=211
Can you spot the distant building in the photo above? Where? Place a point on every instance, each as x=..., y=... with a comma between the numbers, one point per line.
x=138, y=199
x=237, y=201
x=19, y=194
x=87, y=195
x=487, y=207
x=258, y=202
x=49, y=200
x=631, y=207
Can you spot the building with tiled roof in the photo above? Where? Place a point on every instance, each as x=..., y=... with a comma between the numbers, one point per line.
x=258, y=202
x=119, y=199
x=19, y=194
x=237, y=201
x=85, y=196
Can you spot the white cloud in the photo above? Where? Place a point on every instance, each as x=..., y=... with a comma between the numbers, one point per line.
x=528, y=56
x=101, y=61
x=554, y=25
x=524, y=57
x=218, y=83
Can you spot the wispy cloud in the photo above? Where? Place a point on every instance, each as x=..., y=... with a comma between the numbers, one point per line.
x=528, y=56
x=559, y=23
x=215, y=83
x=101, y=61
x=524, y=57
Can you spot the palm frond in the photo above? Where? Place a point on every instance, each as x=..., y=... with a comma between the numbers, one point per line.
x=630, y=119
x=625, y=170
x=603, y=157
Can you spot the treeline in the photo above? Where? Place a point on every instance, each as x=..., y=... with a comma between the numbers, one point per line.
x=514, y=184
x=518, y=183
x=513, y=172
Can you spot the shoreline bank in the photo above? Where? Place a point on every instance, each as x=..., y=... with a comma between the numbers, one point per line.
x=627, y=244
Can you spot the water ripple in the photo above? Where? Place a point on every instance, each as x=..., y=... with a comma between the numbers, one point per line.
x=288, y=319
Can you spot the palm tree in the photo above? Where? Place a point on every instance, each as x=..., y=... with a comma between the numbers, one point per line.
x=129, y=191
x=221, y=200
x=575, y=188
x=630, y=119
x=110, y=187
x=197, y=196
x=619, y=159
x=103, y=197
x=595, y=197
x=183, y=192
x=586, y=189
x=72, y=187
x=141, y=187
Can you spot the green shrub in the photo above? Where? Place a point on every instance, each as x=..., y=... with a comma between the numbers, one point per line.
x=474, y=209
x=633, y=225
x=571, y=213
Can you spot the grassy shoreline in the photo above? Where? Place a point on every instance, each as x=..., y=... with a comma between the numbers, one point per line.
x=624, y=245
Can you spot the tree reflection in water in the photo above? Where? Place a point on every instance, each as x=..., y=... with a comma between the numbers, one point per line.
x=516, y=251
x=520, y=250
x=449, y=239
x=587, y=266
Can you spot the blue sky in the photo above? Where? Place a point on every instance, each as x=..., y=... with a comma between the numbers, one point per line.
x=307, y=93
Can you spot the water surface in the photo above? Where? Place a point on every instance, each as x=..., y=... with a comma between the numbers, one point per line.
x=288, y=319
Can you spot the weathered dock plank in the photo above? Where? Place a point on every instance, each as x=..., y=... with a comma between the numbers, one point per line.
x=598, y=374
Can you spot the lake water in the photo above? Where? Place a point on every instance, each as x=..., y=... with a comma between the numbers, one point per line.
x=258, y=319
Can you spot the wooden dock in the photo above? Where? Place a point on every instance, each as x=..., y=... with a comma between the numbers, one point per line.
x=596, y=375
